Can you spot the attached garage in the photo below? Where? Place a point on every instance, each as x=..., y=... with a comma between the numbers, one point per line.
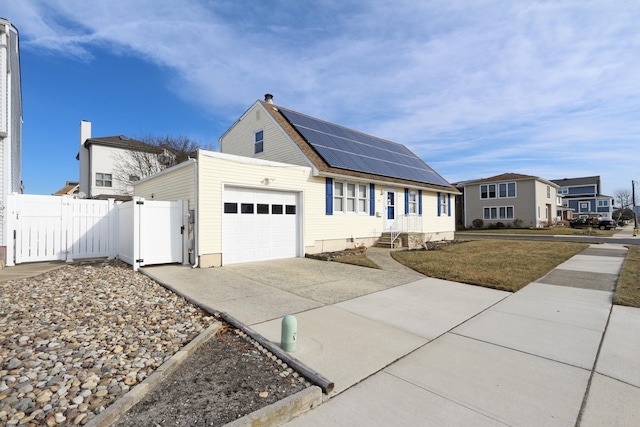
x=259, y=225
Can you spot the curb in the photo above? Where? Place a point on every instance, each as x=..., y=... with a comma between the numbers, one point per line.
x=281, y=411
x=121, y=405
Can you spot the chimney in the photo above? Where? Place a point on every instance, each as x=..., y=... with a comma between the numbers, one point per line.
x=268, y=98
x=83, y=157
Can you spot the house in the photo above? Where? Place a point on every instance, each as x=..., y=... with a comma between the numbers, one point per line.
x=71, y=188
x=110, y=165
x=286, y=184
x=582, y=196
x=510, y=198
x=10, y=124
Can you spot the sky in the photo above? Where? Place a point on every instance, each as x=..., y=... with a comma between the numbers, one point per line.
x=476, y=88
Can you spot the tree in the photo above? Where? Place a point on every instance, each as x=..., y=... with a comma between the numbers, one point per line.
x=623, y=198
x=151, y=154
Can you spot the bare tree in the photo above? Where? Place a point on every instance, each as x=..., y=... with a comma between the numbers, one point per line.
x=149, y=155
x=623, y=198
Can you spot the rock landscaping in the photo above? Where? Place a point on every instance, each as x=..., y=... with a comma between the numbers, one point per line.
x=75, y=339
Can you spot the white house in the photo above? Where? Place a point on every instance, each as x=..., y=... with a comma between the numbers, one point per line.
x=286, y=184
x=10, y=123
x=110, y=165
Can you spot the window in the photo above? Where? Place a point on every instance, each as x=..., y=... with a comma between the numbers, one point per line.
x=230, y=208
x=103, y=180
x=262, y=209
x=276, y=209
x=413, y=202
x=603, y=203
x=488, y=191
x=490, y=213
x=443, y=204
x=563, y=190
x=506, y=189
x=505, y=212
x=246, y=208
x=290, y=209
x=258, y=142
x=134, y=178
x=548, y=192
x=350, y=197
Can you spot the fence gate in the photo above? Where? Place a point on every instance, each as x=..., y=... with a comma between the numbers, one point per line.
x=50, y=228
x=152, y=232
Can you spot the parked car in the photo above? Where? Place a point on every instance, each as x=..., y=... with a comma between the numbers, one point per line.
x=584, y=223
x=606, y=224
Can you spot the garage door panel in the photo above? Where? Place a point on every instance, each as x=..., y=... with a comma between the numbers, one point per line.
x=265, y=231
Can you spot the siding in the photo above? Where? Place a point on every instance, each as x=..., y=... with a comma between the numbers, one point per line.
x=239, y=140
x=172, y=184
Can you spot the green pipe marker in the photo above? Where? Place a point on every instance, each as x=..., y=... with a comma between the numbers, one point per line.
x=289, y=333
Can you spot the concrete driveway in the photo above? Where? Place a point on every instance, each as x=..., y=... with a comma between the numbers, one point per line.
x=404, y=349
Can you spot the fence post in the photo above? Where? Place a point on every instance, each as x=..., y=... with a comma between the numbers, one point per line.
x=138, y=203
x=10, y=219
x=67, y=228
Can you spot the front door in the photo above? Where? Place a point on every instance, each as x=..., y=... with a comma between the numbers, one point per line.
x=390, y=218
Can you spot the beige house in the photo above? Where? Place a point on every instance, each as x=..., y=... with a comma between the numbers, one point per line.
x=511, y=199
x=286, y=184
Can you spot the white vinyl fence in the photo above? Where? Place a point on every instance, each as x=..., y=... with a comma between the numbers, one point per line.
x=49, y=228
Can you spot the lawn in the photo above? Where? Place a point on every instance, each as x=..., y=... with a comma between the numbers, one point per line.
x=499, y=264
x=628, y=288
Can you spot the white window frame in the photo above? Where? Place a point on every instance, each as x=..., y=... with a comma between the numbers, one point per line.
x=350, y=202
x=413, y=202
x=603, y=203
x=506, y=190
x=498, y=213
x=258, y=143
x=488, y=191
x=443, y=204
x=103, y=178
x=548, y=191
x=563, y=190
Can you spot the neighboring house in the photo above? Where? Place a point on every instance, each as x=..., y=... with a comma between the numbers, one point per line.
x=110, y=165
x=10, y=124
x=286, y=184
x=509, y=198
x=582, y=196
x=71, y=188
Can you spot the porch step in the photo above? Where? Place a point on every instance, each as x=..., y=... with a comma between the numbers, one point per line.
x=385, y=242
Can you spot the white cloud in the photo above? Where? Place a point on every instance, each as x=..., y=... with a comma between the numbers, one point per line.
x=489, y=82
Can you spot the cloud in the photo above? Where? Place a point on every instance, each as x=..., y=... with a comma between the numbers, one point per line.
x=490, y=82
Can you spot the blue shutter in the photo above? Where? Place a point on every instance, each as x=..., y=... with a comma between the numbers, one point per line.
x=438, y=204
x=372, y=199
x=406, y=201
x=329, y=200
x=448, y=204
x=419, y=202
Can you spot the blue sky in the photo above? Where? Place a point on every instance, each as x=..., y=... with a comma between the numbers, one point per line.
x=476, y=88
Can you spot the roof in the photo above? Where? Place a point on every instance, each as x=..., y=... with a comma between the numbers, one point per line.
x=509, y=176
x=576, y=182
x=334, y=149
x=69, y=188
x=121, y=141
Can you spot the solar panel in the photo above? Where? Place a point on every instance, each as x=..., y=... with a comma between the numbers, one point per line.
x=344, y=148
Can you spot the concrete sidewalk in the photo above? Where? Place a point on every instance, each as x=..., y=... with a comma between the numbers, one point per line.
x=404, y=349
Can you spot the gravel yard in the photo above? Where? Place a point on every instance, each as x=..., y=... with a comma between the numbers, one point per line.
x=75, y=339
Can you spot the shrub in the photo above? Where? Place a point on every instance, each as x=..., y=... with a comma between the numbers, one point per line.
x=499, y=224
x=477, y=223
x=517, y=223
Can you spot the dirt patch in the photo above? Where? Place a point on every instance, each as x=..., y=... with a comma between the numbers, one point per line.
x=330, y=256
x=228, y=377
x=430, y=246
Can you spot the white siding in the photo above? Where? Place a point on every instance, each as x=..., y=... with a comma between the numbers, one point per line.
x=176, y=183
x=240, y=138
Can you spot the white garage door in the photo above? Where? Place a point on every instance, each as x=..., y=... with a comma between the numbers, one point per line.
x=259, y=225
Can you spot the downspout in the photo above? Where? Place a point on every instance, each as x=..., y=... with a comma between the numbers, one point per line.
x=195, y=213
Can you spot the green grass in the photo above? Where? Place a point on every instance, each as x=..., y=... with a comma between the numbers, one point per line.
x=499, y=264
x=628, y=288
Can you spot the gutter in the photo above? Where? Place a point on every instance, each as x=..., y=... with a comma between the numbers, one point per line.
x=195, y=213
